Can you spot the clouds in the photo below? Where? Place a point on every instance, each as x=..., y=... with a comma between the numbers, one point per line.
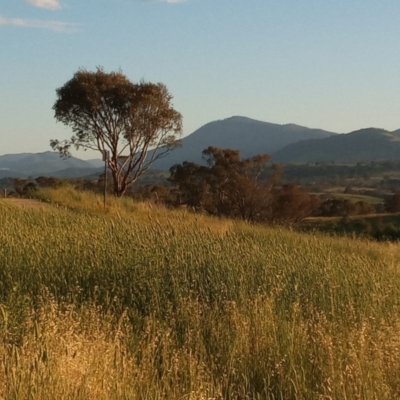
x=49, y=4
x=53, y=25
x=57, y=26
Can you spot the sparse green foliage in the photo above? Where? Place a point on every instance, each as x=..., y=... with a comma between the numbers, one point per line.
x=108, y=112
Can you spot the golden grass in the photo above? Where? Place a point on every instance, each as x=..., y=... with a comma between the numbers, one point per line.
x=127, y=208
x=143, y=303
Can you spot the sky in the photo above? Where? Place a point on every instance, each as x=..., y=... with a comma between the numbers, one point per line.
x=329, y=64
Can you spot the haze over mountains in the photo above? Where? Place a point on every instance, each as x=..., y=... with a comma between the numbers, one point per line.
x=286, y=143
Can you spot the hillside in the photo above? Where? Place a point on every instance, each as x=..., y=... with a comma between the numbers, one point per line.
x=35, y=164
x=363, y=145
x=140, y=302
x=249, y=136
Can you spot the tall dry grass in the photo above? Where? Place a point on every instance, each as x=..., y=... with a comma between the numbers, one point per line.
x=156, y=305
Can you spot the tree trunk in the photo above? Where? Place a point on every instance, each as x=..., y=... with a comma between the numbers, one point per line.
x=119, y=185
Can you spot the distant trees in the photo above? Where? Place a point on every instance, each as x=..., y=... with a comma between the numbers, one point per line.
x=392, y=203
x=24, y=187
x=230, y=186
x=291, y=204
x=48, y=182
x=107, y=112
x=344, y=207
x=19, y=186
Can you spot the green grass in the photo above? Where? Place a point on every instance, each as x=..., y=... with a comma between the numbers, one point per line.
x=142, y=303
x=358, y=197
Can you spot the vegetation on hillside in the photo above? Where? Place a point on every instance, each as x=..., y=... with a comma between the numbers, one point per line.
x=255, y=190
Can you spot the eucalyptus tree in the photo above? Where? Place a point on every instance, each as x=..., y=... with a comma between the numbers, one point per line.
x=134, y=122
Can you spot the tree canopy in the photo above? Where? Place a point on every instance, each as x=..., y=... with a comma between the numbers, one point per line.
x=233, y=187
x=135, y=122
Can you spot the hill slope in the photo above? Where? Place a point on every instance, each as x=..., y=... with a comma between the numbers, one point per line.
x=140, y=299
x=249, y=136
x=365, y=144
x=35, y=164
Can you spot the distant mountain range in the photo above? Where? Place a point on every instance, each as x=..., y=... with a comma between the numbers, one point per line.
x=364, y=145
x=249, y=136
x=48, y=163
x=287, y=144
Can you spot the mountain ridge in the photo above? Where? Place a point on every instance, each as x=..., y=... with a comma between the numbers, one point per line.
x=36, y=164
x=369, y=144
x=247, y=135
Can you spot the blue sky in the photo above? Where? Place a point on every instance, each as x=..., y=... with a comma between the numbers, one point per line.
x=330, y=64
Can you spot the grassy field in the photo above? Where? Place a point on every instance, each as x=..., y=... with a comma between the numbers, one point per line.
x=358, y=197
x=139, y=302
